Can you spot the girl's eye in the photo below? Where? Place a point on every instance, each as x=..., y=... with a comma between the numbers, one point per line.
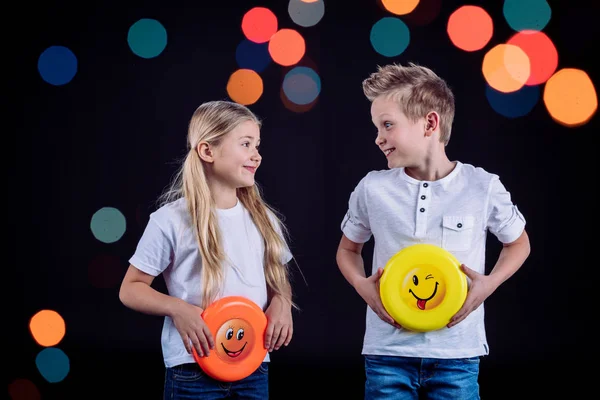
x=387, y=125
x=246, y=144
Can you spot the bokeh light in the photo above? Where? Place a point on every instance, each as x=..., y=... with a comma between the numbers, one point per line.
x=23, y=389
x=108, y=224
x=47, y=327
x=515, y=104
x=301, y=85
x=287, y=47
x=470, y=28
x=527, y=14
x=245, y=86
x=106, y=271
x=147, y=38
x=400, y=7
x=306, y=14
x=252, y=55
x=506, y=68
x=425, y=13
x=53, y=364
x=259, y=24
x=570, y=97
x=57, y=65
x=297, y=108
x=390, y=36
x=541, y=52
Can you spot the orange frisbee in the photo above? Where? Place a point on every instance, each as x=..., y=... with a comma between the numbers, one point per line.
x=238, y=327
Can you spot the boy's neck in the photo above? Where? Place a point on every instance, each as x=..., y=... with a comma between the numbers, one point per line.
x=431, y=170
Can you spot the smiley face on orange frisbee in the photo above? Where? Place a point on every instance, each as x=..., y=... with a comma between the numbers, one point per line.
x=234, y=340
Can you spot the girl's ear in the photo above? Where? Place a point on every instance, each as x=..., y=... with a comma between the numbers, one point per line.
x=205, y=152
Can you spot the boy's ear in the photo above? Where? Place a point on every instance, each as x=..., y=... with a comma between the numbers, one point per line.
x=205, y=152
x=432, y=123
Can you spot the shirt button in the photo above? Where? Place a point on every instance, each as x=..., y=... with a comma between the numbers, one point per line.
x=425, y=184
x=459, y=225
x=422, y=210
x=423, y=197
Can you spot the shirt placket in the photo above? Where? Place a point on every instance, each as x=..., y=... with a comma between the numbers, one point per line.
x=423, y=202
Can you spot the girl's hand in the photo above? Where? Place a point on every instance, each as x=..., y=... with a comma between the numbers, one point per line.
x=193, y=330
x=280, y=326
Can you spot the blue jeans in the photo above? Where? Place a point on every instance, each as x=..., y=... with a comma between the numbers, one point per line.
x=394, y=378
x=188, y=381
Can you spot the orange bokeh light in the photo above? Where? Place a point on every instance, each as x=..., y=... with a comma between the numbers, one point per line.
x=259, y=24
x=287, y=47
x=47, y=328
x=245, y=86
x=400, y=7
x=470, y=28
x=506, y=68
x=541, y=52
x=570, y=97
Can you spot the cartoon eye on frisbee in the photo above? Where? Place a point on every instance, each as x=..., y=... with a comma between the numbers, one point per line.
x=422, y=287
x=238, y=327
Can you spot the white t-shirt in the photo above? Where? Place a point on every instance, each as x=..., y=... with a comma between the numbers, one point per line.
x=454, y=213
x=169, y=246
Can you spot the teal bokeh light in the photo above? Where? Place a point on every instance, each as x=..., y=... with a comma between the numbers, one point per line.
x=147, y=38
x=527, y=14
x=53, y=364
x=390, y=36
x=108, y=224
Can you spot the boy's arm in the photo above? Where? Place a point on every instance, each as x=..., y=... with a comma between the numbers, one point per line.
x=511, y=258
x=350, y=262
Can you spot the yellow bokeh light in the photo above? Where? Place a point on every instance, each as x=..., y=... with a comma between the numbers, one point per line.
x=47, y=327
x=506, y=68
x=570, y=97
x=400, y=7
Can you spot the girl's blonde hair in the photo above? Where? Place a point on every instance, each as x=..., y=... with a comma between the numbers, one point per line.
x=210, y=123
x=417, y=90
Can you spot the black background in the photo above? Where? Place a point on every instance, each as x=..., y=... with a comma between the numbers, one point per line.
x=112, y=135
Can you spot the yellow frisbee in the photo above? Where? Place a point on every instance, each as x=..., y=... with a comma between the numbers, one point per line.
x=422, y=287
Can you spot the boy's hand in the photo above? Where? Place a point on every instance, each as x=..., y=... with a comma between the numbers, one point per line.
x=479, y=290
x=192, y=328
x=368, y=289
x=280, y=325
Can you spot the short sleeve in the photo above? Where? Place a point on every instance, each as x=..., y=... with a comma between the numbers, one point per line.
x=154, y=251
x=504, y=219
x=355, y=224
x=287, y=254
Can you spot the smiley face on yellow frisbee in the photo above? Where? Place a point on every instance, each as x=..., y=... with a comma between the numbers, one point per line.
x=422, y=287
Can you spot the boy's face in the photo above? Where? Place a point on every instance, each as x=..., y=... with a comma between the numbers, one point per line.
x=236, y=158
x=401, y=140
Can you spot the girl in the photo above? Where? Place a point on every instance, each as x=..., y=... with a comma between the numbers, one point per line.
x=213, y=236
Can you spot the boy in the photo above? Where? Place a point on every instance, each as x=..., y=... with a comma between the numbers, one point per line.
x=425, y=198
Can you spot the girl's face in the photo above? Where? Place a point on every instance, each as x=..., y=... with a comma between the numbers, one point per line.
x=236, y=158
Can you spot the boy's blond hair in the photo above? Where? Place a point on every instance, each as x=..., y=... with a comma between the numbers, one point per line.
x=418, y=91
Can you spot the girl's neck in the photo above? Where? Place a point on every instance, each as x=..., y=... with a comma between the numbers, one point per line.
x=224, y=197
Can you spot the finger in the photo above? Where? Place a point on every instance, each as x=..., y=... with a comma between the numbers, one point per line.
x=288, y=339
x=196, y=343
x=282, y=337
x=187, y=343
x=269, y=335
x=203, y=342
x=376, y=276
x=468, y=271
x=275, y=338
x=210, y=341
